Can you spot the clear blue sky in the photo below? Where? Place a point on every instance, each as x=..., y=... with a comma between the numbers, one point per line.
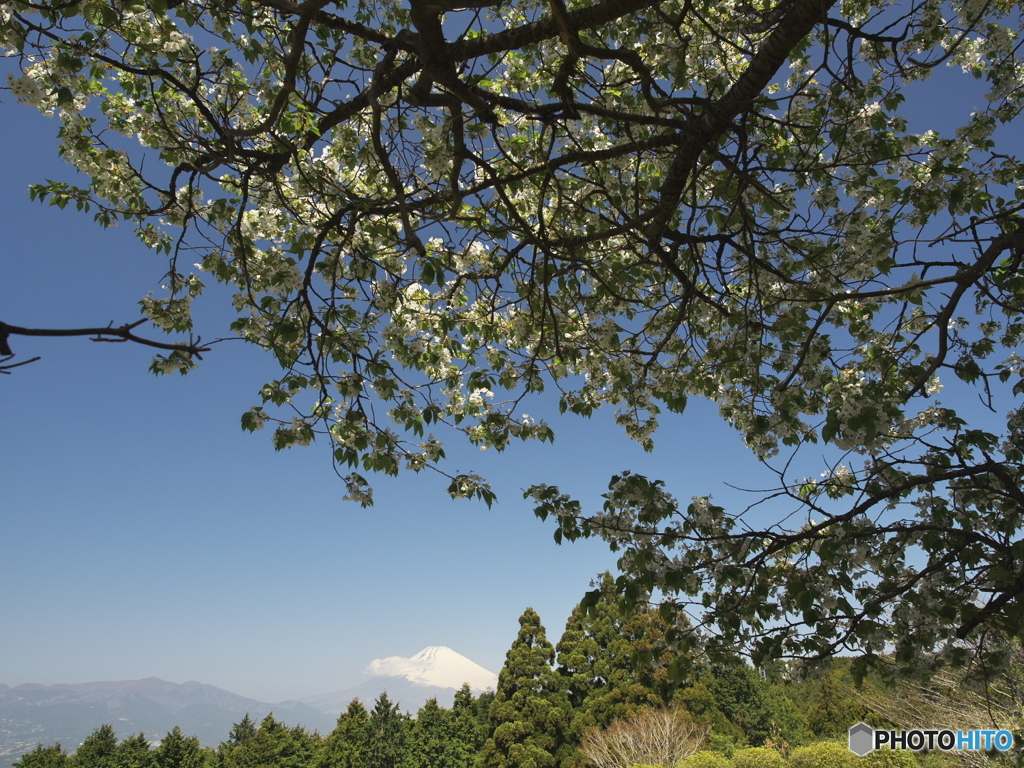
x=144, y=534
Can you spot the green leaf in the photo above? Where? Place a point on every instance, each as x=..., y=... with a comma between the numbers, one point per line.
x=100, y=14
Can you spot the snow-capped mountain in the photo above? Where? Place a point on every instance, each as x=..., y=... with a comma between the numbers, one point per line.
x=435, y=672
x=435, y=666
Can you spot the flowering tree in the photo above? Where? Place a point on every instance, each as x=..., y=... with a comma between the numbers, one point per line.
x=430, y=212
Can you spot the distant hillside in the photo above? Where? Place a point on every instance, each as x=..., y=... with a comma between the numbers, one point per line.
x=33, y=714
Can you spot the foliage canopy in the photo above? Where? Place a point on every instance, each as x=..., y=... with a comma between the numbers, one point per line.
x=429, y=212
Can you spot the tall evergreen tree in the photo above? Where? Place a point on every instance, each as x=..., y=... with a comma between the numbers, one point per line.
x=98, y=749
x=431, y=738
x=698, y=699
x=529, y=712
x=134, y=752
x=179, y=751
x=469, y=731
x=388, y=735
x=242, y=730
x=273, y=744
x=832, y=705
x=52, y=756
x=753, y=705
x=612, y=661
x=347, y=745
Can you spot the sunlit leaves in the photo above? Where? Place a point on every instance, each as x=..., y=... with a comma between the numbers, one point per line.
x=426, y=225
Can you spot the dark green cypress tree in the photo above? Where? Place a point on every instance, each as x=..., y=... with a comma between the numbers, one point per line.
x=483, y=714
x=242, y=731
x=697, y=699
x=179, y=751
x=469, y=731
x=832, y=704
x=529, y=712
x=98, y=749
x=388, y=735
x=577, y=655
x=273, y=744
x=577, y=677
x=431, y=738
x=134, y=752
x=347, y=745
x=743, y=697
x=612, y=660
x=53, y=756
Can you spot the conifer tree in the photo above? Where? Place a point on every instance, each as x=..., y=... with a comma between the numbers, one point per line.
x=432, y=738
x=578, y=679
x=134, y=752
x=388, y=735
x=242, y=731
x=832, y=706
x=98, y=749
x=347, y=745
x=468, y=732
x=748, y=702
x=697, y=699
x=273, y=744
x=529, y=712
x=179, y=751
x=612, y=661
x=52, y=756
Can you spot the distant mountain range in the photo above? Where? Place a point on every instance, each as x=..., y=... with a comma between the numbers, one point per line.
x=45, y=714
x=33, y=714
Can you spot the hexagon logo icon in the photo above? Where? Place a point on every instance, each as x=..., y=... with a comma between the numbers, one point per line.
x=862, y=739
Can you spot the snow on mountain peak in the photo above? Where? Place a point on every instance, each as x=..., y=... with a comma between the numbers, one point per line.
x=436, y=666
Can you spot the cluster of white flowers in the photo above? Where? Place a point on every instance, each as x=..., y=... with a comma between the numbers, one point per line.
x=176, y=41
x=436, y=153
x=28, y=89
x=171, y=314
x=468, y=486
x=358, y=490
x=476, y=397
x=180, y=362
x=471, y=256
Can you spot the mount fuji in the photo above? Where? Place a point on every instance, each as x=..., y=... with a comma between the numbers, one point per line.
x=435, y=672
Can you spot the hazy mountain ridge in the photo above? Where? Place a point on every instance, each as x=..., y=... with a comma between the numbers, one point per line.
x=31, y=714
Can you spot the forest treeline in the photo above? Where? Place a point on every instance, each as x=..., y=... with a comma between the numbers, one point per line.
x=610, y=694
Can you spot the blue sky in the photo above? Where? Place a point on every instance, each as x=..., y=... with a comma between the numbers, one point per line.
x=144, y=534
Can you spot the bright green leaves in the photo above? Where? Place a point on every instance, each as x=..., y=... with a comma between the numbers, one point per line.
x=100, y=14
x=426, y=253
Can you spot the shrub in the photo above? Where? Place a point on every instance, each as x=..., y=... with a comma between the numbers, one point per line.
x=758, y=757
x=938, y=760
x=891, y=758
x=723, y=743
x=649, y=737
x=705, y=759
x=824, y=754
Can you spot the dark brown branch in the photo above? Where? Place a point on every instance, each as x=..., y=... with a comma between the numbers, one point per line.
x=714, y=121
x=5, y=367
x=118, y=334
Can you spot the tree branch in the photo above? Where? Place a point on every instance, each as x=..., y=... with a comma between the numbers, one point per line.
x=110, y=333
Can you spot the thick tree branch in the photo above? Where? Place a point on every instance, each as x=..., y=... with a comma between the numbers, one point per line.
x=110, y=333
